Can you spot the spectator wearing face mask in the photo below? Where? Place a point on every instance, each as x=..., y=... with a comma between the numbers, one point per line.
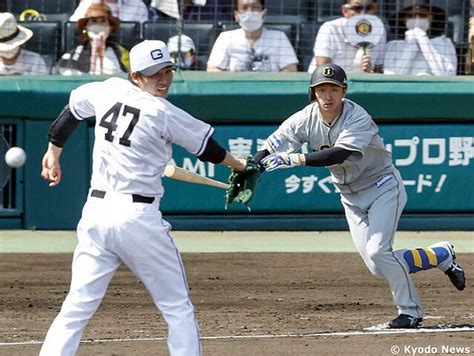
x=96, y=54
x=331, y=45
x=421, y=53
x=184, y=54
x=125, y=10
x=252, y=47
x=15, y=60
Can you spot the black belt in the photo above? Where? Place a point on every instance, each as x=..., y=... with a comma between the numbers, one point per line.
x=135, y=197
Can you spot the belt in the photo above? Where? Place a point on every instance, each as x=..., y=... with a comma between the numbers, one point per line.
x=135, y=197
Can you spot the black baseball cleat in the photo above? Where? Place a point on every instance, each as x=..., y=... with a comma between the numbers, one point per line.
x=405, y=321
x=456, y=275
x=455, y=272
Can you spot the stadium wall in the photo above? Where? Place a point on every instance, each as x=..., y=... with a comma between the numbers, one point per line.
x=426, y=122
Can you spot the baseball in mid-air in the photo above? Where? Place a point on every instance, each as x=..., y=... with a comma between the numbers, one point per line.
x=15, y=157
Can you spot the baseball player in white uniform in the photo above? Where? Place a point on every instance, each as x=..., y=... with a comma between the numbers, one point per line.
x=345, y=140
x=121, y=220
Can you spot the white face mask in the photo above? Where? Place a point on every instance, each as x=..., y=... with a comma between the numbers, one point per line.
x=94, y=29
x=251, y=21
x=186, y=62
x=9, y=54
x=418, y=22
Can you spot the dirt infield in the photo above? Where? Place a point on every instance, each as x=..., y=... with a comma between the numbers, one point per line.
x=247, y=304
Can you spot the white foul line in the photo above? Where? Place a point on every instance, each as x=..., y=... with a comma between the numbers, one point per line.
x=290, y=335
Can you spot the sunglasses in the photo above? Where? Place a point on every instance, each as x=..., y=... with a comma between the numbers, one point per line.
x=358, y=8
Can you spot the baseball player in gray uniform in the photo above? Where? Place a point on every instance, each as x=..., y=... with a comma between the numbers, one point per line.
x=345, y=139
x=121, y=221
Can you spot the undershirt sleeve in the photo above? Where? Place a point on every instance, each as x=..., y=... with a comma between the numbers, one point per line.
x=62, y=127
x=334, y=155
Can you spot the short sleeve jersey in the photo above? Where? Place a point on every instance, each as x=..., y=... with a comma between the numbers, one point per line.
x=271, y=52
x=134, y=133
x=353, y=130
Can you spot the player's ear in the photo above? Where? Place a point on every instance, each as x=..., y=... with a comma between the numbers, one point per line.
x=134, y=77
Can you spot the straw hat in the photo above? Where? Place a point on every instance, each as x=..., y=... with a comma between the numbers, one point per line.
x=12, y=35
x=98, y=10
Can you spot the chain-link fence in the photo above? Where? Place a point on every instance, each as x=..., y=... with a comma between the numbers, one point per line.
x=428, y=38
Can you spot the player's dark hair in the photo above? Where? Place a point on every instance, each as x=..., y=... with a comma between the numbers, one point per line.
x=131, y=80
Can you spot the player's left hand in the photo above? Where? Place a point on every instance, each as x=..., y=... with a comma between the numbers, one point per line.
x=242, y=184
x=282, y=160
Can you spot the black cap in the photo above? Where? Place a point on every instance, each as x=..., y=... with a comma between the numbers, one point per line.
x=329, y=73
x=409, y=6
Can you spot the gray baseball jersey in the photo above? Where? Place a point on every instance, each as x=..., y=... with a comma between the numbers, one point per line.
x=372, y=191
x=353, y=130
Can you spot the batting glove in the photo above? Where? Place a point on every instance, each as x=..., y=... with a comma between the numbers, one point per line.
x=282, y=160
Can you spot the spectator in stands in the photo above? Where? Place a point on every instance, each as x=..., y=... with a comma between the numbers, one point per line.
x=15, y=60
x=96, y=54
x=252, y=47
x=420, y=53
x=213, y=10
x=470, y=43
x=125, y=10
x=331, y=45
x=186, y=58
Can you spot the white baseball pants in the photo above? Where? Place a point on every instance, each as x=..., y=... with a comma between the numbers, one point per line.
x=113, y=230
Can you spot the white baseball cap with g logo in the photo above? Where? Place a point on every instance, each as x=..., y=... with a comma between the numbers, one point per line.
x=149, y=57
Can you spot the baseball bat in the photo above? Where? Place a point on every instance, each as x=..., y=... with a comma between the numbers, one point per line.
x=191, y=177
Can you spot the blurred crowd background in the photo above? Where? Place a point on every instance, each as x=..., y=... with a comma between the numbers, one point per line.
x=71, y=37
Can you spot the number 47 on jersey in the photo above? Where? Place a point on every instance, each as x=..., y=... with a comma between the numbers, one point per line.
x=116, y=112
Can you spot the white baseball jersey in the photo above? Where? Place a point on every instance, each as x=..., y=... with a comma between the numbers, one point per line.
x=353, y=130
x=271, y=52
x=133, y=135
x=332, y=43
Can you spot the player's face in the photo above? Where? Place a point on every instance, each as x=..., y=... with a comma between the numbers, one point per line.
x=329, y=98
x=157, y=84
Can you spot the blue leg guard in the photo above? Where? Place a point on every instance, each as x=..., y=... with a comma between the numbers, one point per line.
x=421, y=259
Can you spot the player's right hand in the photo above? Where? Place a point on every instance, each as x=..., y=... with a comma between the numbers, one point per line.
x=51, y=168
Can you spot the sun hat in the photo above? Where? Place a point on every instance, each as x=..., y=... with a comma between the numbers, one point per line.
x=12, y=35
x=98, y=10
